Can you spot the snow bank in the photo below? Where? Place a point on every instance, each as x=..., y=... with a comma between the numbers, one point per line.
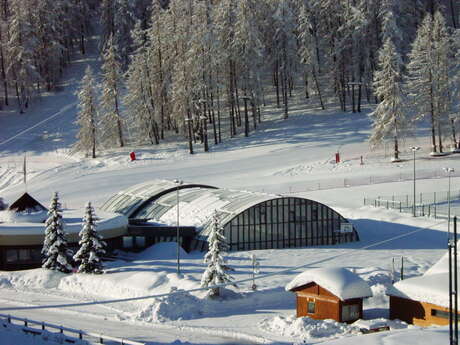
x=304, y=328
x=418, y=336
x=340, y=281
x=161, y=251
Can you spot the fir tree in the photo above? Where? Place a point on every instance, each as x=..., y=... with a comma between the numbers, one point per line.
x=92, y=247
x=87, y=115
x=55, y=250
x=428, y=80
x=110, y=99
x=389, y=117
x=216, y=272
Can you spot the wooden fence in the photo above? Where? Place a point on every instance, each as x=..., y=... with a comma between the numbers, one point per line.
x=70, y=336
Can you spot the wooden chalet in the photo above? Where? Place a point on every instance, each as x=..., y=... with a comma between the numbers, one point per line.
x=330, y=293
x=422, y=300
x=26, y=203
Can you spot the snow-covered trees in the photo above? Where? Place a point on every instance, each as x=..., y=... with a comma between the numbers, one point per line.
x=216, y=272
x=111, y=121
x=36, y=42
x=428, y=75
x=389, y=118
x=56, y=255
x=92, y=247
x=87, y=116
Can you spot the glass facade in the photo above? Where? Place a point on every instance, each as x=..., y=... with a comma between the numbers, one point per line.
x=285, y=223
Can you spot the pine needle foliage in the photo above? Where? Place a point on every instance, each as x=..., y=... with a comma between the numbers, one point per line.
x=56, y=254
x=92, y=247
x=216, y=272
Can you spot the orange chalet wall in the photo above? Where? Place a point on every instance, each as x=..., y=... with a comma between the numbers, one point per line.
x=327, y=305
x=415, y=312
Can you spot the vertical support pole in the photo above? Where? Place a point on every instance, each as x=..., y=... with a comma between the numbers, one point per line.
x=43, y=326
x=455, y=284
x=80, y=335
x=393, y=271
x=61, y=329
x=9, y=319
x=402, y=267
x=451, y=319
x=26, y=323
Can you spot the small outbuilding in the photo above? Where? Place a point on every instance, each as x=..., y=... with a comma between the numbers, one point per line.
x=330, y=293
x=26, y=203
x=423, y=300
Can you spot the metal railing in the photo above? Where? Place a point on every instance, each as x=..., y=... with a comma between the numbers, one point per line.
x=27, y=326
x=434, y=204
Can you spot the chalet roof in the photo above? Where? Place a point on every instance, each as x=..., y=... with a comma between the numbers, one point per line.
x=432, y=287
x=341, y=282
x=26, y=202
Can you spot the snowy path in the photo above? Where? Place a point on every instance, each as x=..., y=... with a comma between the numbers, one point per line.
x=104, y=320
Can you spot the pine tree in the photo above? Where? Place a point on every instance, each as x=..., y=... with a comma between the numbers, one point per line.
x=111, y=121
x=92, y=247
x=216, y=272
x=55, y=250
x=389, y=116
x=87, y=115
x=428, y=75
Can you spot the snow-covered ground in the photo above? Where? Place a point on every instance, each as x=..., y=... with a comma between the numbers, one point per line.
x=292, y=156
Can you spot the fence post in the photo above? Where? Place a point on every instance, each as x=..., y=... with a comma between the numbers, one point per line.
x=25, y=322
x=400, y=208
x=101, y=340
x=61, y=329
x=407, y=200
x=43, y=326
x=9, y=319
x=80, y=335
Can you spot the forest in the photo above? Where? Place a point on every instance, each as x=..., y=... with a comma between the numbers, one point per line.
x=188, y=67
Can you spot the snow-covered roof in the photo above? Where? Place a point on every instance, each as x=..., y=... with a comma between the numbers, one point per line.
x=130, y=200
x=338, y=280
x=431, y=288
x=109, y=225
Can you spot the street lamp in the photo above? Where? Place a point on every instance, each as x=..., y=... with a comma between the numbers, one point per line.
x=414, y=149
x=178, y=184
x=449, y=171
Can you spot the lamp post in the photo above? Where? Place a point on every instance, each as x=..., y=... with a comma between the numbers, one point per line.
x=414, y=149
x=178, y=184
x=449, y=172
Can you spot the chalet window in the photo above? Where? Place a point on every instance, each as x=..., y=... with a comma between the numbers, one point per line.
x=311, y=307
x=350, y=312
x=440, y=313
x=140, y=241
x=11, y=255
x=128, y=242
x=24, y=255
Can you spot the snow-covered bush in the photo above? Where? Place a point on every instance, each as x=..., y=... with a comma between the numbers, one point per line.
x=92, y=247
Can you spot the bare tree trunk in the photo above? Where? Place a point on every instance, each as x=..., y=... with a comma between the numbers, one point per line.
x=318, y=88
x=276, y=82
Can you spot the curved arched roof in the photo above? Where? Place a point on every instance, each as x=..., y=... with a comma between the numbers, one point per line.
x=196, y=206
x=130, y=200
